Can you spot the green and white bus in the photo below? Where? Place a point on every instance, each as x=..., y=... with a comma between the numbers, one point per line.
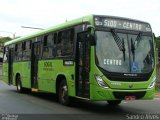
x=97, y=58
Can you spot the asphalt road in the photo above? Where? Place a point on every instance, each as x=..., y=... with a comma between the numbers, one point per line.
x=44, y=106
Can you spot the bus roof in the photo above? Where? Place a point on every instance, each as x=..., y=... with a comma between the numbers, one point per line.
x=58, y=27
x=81, y=20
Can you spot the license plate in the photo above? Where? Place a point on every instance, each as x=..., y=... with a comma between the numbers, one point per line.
x=128, y=98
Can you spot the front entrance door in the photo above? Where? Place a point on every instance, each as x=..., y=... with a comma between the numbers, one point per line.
x=36, y=50
x=82, y=66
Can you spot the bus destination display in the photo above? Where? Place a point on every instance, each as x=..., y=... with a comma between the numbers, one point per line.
x=122, y=24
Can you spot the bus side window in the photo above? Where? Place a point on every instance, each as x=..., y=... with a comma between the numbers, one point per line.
x=19, y=51
x=27, y=50
x=24, y=50
x=5, y=56
x=48, y=46
x=16, y=52
x=69, y=43
x=54, y=44
x=65, y=43
x=59, y=45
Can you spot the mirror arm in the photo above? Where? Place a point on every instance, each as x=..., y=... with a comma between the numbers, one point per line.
x=90, y=27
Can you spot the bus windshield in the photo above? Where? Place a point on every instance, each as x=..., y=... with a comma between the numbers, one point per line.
x=124, y=53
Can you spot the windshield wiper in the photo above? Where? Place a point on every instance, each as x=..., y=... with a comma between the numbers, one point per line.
x=135, y=44
x=137, y=39
x=119, y=42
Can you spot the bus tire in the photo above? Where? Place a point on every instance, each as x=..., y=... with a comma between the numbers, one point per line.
x=19, y=84
x=114, y=102
x=63, y=93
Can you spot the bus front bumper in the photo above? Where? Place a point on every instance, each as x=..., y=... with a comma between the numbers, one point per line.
x=100, y=94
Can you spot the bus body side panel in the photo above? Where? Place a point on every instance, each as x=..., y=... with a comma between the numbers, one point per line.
x=22, y=69
x=5, y=72
x=45, y=76
x=16, y=70
x=49, y=70
x=26, y=74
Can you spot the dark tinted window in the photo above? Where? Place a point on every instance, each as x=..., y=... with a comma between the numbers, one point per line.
x=48, y=45
x=65, y=43
x=27, y=50
x=18, y=51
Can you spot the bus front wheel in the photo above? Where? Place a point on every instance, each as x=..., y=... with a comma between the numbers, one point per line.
x=114, y=102
x=63, y=93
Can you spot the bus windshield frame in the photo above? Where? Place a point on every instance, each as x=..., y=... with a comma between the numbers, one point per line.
x=122, y=52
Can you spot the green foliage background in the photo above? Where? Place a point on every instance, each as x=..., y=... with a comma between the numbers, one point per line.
x=4, y=39
x=157, y=41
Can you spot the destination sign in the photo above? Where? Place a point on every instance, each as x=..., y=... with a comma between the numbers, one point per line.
x=122, y=24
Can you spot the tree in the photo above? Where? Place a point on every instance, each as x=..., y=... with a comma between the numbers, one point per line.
x=157, y=41
x=5, y=39
x=2, y=41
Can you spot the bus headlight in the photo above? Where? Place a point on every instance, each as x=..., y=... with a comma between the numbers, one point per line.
x=100, y=82
x=152, y=84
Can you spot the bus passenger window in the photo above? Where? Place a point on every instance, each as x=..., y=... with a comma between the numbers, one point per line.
x=19, y=52
x=5, y=56
x=59, y=45
x=48, y=46
x=65, y=43
x=69, y=41
x=54, y=47
x=16, y=52
x=26, y=50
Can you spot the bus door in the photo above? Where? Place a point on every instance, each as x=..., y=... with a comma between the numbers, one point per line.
x=10, y=66
x=82, y=66
x=36, y=50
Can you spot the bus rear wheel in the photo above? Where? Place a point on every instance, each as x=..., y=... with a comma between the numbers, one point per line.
x=19, y=85
x=63, y=93
x=114, y=102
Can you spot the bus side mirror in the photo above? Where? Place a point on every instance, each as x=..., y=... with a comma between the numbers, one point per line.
x=91, y=39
